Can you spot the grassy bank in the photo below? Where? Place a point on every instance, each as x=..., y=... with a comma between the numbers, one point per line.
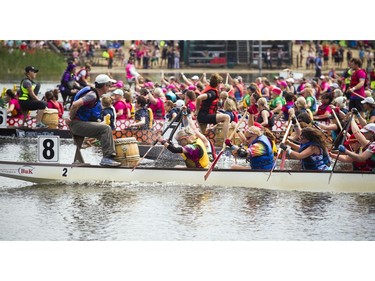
x=50, y=64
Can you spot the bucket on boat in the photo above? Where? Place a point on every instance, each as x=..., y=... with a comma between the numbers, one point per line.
x=127, y=151
x=51, y=118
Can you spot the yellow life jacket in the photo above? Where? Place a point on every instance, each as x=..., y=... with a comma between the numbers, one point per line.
x=151, y=116
x=132, y=111
x=347, y=79
x=203, y=162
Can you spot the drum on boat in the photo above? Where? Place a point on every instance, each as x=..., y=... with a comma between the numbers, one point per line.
x=51, y=118
x=219, y=140
x=127, y=151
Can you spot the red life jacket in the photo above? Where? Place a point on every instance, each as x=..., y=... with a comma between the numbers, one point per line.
x=210, y=105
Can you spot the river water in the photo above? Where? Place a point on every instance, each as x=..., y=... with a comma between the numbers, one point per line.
x=158, y=212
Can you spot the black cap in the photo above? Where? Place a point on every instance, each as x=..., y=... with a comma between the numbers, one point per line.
x=31, y=68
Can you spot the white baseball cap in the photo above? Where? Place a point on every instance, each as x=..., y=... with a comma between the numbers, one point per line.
x=290, y=80
x=195, y=77
x=369, y=128
x=103, y=78
x=369, y=100
x=118, y=92
x=179, y=103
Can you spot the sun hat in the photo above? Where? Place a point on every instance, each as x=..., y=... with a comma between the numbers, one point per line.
x=276, y=90
x=369, y=100
x=119, y=84
x=171, y=86
x=103, y=78
x=283, y=83
x=149, y=84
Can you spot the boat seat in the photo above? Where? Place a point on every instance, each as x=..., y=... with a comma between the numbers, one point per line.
x=78, y=141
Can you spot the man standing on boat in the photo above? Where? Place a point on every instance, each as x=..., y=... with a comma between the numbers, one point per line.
x=28, y=96
x=84, y=115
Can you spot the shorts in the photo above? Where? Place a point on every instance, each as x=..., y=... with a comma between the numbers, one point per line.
x=205, y=118
x=32, y=104
x=357, y=104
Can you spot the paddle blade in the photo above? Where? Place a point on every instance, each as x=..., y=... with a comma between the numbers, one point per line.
x=330, y=176
x=213, y=165
x=283, y=158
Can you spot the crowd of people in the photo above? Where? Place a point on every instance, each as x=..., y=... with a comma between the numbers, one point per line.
x=328, y=113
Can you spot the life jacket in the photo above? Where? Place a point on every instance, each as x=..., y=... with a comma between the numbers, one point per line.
x=132, y=111
x=57, y=106
x=86, y=113
x=271, y=119
x=151, y=118
x=79, y=77
x=210, y=105
x=317, y=162
x=366, y=166
x=348, y=75
x=313, y=103
x=111, y=113
x=264, y=161
x=67, y=81
x=239, y=93
x=203, y=161
x=246, y=101
x=23, y=94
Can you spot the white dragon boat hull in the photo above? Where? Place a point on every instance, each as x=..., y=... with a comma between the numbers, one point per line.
x=339, y=181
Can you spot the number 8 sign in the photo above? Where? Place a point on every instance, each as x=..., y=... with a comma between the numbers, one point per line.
x=3, y=118
x=48, y=148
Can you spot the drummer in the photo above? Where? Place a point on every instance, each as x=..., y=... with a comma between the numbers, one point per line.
x=86, y=109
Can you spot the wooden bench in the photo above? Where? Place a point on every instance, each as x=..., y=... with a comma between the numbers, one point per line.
x=78, y=141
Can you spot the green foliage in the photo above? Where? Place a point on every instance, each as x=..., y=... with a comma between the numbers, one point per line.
x=12, y=64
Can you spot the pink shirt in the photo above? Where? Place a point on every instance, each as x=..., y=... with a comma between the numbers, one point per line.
x=158, y=109
x=118, y=105
x=17, y=112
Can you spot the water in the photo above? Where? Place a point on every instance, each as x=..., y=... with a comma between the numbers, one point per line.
x=159, y=212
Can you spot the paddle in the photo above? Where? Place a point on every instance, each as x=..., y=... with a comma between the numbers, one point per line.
x=280, y=149
x=155, y=142
x=344, y=131
x=222, y=150
x=320, y=129
x=283, y=157
x=337, y=119
x=170, y=136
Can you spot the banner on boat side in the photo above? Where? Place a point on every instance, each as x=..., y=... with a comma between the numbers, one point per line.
x=48, y=148
x=3, y=118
